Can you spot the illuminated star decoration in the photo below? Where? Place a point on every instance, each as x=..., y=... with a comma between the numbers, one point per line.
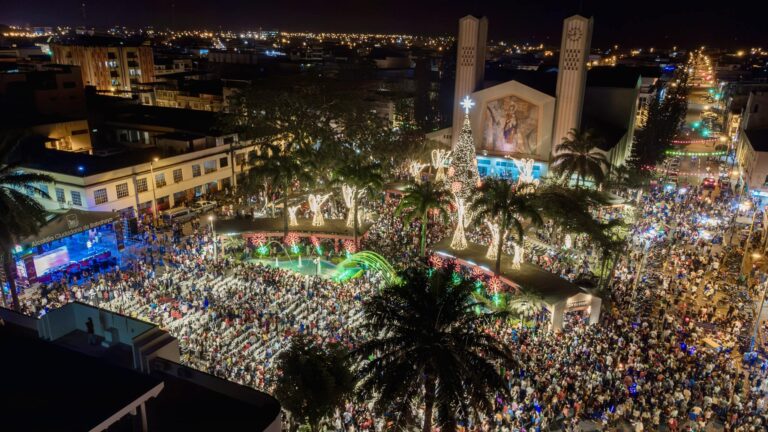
x=467, y=104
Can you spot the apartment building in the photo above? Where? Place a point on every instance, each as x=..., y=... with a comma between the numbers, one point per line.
x=109, y=64
x=49, y=89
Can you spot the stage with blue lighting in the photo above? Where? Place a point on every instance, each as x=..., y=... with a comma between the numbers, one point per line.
x=70, y=245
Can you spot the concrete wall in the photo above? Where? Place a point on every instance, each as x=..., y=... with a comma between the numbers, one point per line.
x=73, y=316
x=12, y=317
x=73, y=135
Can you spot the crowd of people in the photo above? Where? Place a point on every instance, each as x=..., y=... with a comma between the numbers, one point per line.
x=665, y=354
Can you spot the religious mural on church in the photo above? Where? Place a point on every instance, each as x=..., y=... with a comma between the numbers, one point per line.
x=510, y=125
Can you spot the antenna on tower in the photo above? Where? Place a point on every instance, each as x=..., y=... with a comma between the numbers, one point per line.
x=82, y=11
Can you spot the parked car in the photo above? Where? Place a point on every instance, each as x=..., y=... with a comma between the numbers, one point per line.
x=179, y=214
x=203, y=206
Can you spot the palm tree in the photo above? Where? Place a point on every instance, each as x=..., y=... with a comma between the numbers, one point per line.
x=418, y=201
x=362, y=173
x=517, y=207
x=612, y=244
x=508, y=205
x=282, y=170
x=626, y=177
x=579, y=154
x=313, y=380
x=524, y=304
x=20, y=214
x=428, y=345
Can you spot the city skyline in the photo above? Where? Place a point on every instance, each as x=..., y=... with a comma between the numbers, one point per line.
x=523, y=21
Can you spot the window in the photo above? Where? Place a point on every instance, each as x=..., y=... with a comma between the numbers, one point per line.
x=76, y=200
x=100, y=196
x=141, y=185
x=209, y=166
x=43, y=190
x=224, y=162
x=122, y=190
x=240, y=159
x=60, y=195
x=196, y=171
x=178, y=177
x=160, y=180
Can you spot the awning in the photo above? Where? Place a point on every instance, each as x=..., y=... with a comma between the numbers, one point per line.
x=68, y=223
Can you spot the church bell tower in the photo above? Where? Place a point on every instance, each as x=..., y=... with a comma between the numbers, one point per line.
x=571, y=76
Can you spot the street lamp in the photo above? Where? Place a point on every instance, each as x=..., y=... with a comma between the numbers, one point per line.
x=154, y=186
x=213, y=236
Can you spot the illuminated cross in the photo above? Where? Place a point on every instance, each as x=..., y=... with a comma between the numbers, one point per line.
x=467, y=104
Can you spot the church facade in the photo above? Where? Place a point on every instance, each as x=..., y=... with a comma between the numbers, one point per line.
x=525, y=115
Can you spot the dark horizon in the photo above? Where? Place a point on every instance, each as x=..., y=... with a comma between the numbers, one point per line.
x=685, y=23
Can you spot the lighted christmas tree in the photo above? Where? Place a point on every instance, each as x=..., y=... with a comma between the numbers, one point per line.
x=464, y=164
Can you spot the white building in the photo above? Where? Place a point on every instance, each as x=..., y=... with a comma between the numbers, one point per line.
x=131, y=182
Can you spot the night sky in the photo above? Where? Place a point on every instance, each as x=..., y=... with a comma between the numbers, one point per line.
x=674, y=22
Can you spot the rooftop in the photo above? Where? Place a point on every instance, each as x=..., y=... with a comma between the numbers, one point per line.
x=607, y=76
x=69, y=222
x=552, y=288
x=98, y=40
x=758, y=138
x=607, y=133
x=78, y=394
x=83, y=164
x=230, y=406
x=182, y=120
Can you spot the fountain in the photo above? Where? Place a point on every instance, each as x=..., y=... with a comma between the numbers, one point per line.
x=267, y=244
x=372, y=260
